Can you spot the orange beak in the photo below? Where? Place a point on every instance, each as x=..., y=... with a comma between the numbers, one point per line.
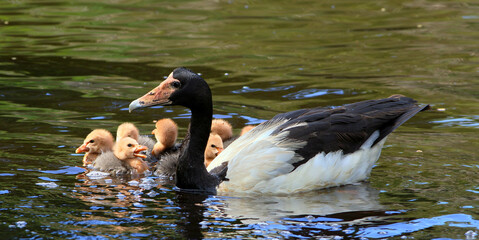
x=158, y=96
x=219, y=149
x=138, y=150
x=82, y=148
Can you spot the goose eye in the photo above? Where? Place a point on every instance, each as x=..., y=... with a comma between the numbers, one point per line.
x=130, y=145
x=176, y=84
x=92, y=141
x=213, y=146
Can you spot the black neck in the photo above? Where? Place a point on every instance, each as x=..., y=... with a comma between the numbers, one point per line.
x=191, y=172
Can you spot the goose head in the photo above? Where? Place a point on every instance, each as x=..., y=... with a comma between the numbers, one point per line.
x=182, y=87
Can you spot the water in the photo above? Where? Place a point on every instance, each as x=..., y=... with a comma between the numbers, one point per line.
x=67, y=67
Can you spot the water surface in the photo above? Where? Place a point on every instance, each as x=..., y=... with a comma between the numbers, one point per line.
x=67, y=67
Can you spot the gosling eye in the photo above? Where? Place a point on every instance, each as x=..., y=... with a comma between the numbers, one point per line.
x=130, y=145
x=176, y=84
x=213, y=146
x=92, y=141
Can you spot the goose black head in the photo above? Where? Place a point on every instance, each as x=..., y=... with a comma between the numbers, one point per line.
x=182, y=87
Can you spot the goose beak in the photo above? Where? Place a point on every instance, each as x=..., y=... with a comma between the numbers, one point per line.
x=138, y=150
x=134, y=105
x=158, y=96
x=82, y=148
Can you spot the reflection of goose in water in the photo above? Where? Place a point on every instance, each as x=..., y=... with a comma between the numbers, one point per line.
x=115, y=191
x=349, y=198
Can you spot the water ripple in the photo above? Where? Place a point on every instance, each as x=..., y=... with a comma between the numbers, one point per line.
x=247, y=89
x=464, y=121
x=311, y=93
x=397, y=229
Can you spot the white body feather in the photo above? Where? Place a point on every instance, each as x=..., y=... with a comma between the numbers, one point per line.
x=261, y=163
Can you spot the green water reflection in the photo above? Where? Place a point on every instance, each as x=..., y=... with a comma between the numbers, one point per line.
x=67, y=67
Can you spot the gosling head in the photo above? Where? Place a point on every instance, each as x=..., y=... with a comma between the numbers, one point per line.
x=222, y=128
x=98, y=141
x=128, y=148
x=246, y=129
x=213, y=148
x=127, y=130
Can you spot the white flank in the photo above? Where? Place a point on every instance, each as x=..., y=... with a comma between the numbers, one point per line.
x=248, y=144
x=261, y=163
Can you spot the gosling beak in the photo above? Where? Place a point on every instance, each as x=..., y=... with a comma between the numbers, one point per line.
x=82, y=148
x=219, y=150
x=138, y=150
x=158, y=96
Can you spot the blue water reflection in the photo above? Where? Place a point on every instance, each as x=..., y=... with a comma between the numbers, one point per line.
x=67, y=67
x=68, y=170
x=252, y=120
x=465, y=121
x=247, y=89
x=397, y=229
x=311, y=93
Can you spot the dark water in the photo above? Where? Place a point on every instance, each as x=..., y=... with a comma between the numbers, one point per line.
x=67, y=67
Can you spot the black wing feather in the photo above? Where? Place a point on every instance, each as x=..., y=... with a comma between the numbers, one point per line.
x=346, y=128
